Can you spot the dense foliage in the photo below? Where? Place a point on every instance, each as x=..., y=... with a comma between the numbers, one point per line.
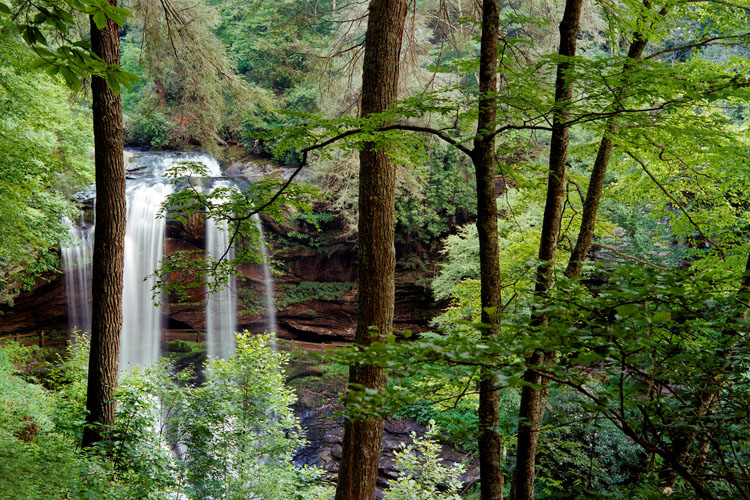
x=232, y=437
x=45, y=141
x=646, y=348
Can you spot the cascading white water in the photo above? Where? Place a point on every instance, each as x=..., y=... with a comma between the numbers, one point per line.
x=144, y=248
x=267, y=279
x=76, y=260
x=221, y=305
x=209, y=163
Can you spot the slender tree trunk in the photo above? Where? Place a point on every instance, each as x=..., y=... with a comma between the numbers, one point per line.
x=534, y=399
x=376, y=256
x=596, y=182
x=683, y=441
x=109, y=240
x=490, y=446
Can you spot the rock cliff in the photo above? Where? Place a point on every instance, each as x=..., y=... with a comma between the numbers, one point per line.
x=314, y=287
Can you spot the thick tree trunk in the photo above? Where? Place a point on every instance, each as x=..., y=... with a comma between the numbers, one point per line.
x=109, y=241
x=490, y=446
x=377, y=256
x=533, y=399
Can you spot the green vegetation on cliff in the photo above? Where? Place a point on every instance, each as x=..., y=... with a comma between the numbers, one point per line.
x=45, y=146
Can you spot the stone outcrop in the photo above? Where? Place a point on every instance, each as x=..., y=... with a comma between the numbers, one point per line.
x=318, y=408
x=43, y=307
x=314, y=286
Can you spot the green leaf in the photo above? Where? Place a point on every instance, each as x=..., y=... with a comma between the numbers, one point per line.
x=28, y=35
x=113, y=84
x=115, y=16
x=65, y=17
x=43, y=52
x=38, y=63
x=5, y=10
x=662, y=317
x=100, y=19
x=121, y=11
x=70, y=78
x=126, y=78
x=626, y=310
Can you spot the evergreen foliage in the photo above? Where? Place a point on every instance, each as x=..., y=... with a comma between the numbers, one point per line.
x=190, y=93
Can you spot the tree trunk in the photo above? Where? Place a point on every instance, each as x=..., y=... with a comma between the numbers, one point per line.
x=596, y=182
x=534, y=398
x=490, y=446
x=377, y=255
x=109, y=240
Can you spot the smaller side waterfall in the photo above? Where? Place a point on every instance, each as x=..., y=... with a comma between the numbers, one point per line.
x=221, y=305
x=268, y=280
x=144, y=247
x=76, y=260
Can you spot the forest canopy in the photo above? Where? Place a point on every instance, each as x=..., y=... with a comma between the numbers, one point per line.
x=568, y=178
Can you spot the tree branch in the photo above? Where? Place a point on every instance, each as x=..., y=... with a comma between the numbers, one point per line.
x=627, y=256
x=708, y=41
x=676, y=202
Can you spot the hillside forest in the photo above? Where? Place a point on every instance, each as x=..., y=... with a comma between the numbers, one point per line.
x=349, y=249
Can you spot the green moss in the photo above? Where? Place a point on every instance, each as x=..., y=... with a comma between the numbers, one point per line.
x=180, y=349
x=310, y=290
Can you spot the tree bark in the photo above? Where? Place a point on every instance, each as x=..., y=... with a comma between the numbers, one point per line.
x=376, y=255
x=598, y=172
x=533, y=393
x=490, y=446
x=109, y=240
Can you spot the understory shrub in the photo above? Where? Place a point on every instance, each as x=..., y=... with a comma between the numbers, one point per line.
x=232, y=438
x=422, y=474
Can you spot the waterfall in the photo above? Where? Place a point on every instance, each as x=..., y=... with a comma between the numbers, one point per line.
x=165, y=161
x=144, y=247
x=147, y=188
x=76, y=261
x=221, y=305
x=267, y=279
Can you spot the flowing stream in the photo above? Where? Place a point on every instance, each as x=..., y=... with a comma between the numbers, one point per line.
x=143, y=310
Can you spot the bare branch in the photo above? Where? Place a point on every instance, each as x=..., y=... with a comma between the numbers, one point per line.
x=709, y=41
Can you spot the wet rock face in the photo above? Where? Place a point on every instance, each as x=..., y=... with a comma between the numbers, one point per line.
x=43, y=307
x=315, y=288
x=317, y=408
